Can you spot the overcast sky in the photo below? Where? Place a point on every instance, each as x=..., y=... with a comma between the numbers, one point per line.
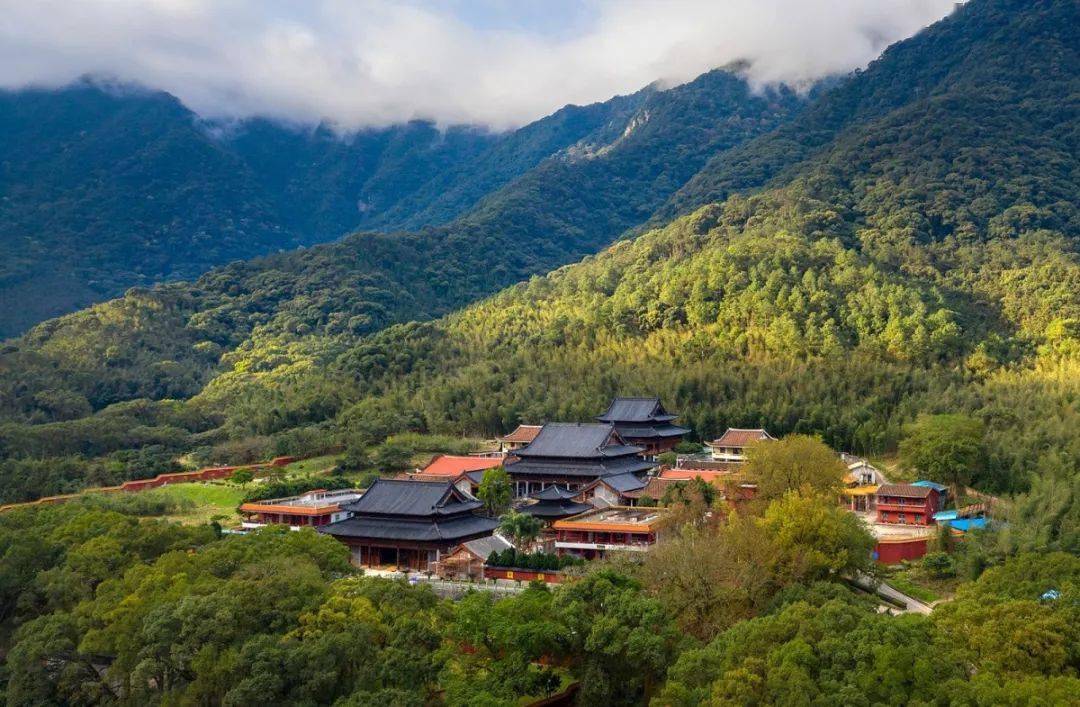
x=496, y=62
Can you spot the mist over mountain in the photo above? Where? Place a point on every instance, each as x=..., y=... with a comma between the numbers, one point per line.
x=567, y=206
x=378, y=63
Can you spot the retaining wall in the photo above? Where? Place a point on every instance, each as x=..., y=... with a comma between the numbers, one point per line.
x=893, y=552
x=521, y=575
x=179, y=477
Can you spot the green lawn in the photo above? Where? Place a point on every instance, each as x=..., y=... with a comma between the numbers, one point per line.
x=201, y=502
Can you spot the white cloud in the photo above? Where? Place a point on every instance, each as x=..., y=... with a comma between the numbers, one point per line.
x=374, y=62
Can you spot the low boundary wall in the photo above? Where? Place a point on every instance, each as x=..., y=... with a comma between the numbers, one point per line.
x=893, y=552
x=522, y=575
x=179, y=477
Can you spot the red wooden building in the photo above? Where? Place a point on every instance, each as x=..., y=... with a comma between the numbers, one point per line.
x=907, y=504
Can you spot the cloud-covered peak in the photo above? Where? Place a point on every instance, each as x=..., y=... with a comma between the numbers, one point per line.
x=494, y=62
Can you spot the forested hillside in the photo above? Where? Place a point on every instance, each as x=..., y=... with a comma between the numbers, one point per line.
x=105, y=187
x=102, y=605
x=166, y=342
x=925, y=261
x=922, y=258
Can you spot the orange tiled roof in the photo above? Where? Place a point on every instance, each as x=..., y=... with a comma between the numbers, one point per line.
x=449, y=465
x=706, y=475
x=735, y=437
x=329, y=507
x=523, y=433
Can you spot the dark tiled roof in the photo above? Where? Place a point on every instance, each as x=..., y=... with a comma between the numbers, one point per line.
x=904, y=490
x=580, y=469
x=576, y=440
x=553, y=493
x=482, y=547
x=735, y=437
x=619, y=450
x=388, y=497
x=636, y=410
x=459, y=528
x=475, y=476
x=555, y=509
x=650, y=431
x=623, y=482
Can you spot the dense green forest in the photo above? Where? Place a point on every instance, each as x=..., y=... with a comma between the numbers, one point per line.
x=167, y=341
x=899, y=250
x=104, y=187
x=104, y=604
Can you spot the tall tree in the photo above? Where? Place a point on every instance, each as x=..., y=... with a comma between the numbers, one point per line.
x=522, y=528
x=944, y=448
x=815, y=539
x=795, y=463
x=495, y=491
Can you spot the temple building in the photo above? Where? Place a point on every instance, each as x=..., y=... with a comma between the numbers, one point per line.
x=861, y=484
x=409, y=524
x=467, y=560
x=522, y=435
x=314, y=508
x=644, y=422
x=731, y=446
x=907, y=504
x=554, y=503
x=614, y=490
x=594, y=534
x=573, y=455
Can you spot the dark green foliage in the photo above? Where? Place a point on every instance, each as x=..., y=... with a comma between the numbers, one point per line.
x=108, y=187
x=944, y=448
x=823, y=646
x=392, y=456
x=510, y=557
x=295, y=487
x=495, y=491
x=938, y=565
x=257, y=331
x=99, y=606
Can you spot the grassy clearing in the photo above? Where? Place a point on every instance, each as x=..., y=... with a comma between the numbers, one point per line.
x=904, y=583
x=438, y=444
x=313, y=466
x=199, y=503
x=915, y=582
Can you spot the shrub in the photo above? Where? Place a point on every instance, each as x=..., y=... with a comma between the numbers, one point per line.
x=295, y=487
x=938, y=565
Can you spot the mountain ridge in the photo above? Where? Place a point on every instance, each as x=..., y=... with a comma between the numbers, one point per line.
x=553, y=214
x=109, y=187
